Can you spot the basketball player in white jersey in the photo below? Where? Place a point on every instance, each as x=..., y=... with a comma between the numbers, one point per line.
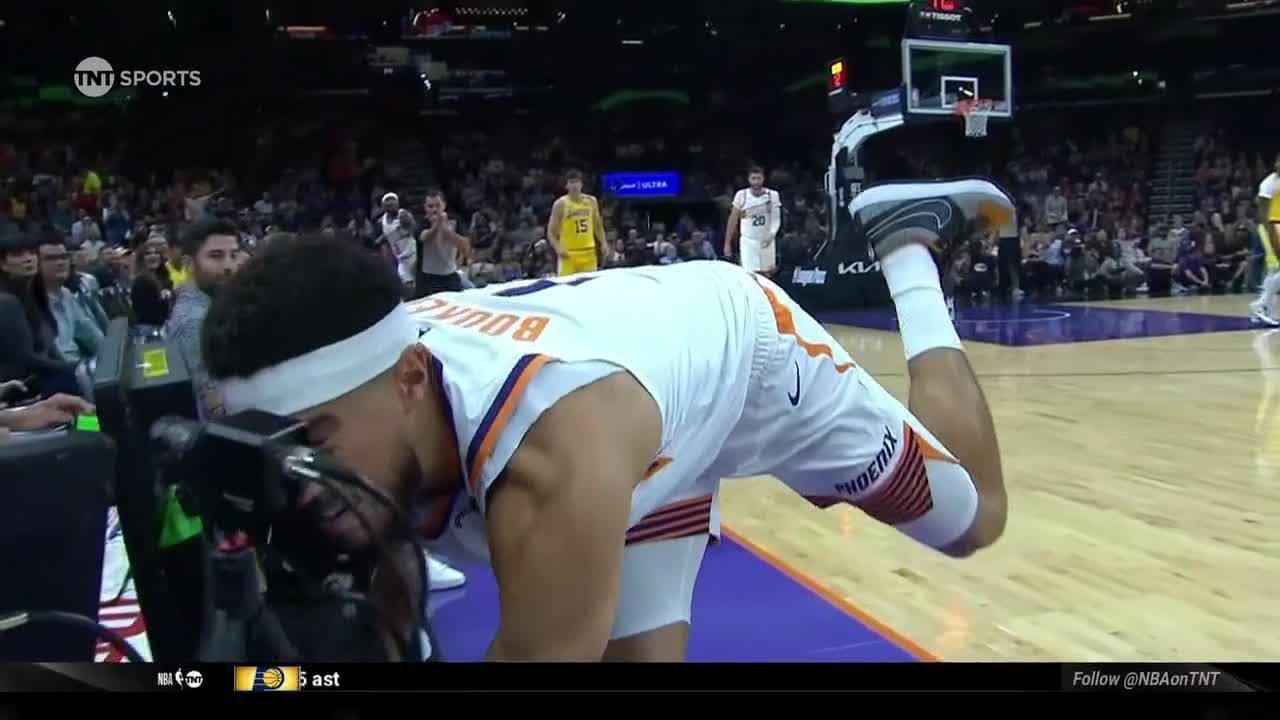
x=395, y=227
x=1263, y=309
x=575, y=434
x=754, y=218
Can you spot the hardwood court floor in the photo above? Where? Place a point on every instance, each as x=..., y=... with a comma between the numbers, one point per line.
x=1144, y=496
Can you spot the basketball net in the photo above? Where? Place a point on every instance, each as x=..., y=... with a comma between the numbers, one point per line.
x=975, y=114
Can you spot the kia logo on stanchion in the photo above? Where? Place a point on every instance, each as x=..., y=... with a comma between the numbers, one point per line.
x=94, y=77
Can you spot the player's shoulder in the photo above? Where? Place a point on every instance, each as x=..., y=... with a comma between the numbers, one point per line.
x=1269, y=183
x=625, y=427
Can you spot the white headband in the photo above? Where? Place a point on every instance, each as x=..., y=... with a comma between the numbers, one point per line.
x=324, y=374
x=391, y=196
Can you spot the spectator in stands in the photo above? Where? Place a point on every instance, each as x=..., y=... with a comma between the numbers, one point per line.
x=78, y=335
x=115, y=221
x=151, y=290
x=211, y=249
x=1180, y=233
x=638, y=251
x=1056, y=207
x=84, y=229
x=27, y=326
x=977, y=274
x=1233, y=256
x=175, y=266
x=1163, y=249
x=1191, y=274
x=1082, y=267
x=114, y=273
x=1121, y=275
x=84, y=285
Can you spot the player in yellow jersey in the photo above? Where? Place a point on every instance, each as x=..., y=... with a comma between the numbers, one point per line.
x=1269, y=233
x=576, y=230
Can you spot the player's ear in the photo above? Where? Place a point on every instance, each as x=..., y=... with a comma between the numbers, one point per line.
x=411, y=374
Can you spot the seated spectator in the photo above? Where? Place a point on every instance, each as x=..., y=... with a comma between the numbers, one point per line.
x=175, y=267
x=1121, y=275
x=1163, y=249
x=1192, y=275
x=979, y=276
x=1082, y=268
x=151, y=291
x=84, y=285
x=669, y=255
x=115, y=281
x=77, y=334
x=27, y=326
x=1232, y=260
x=617, y=253
x=638, y=251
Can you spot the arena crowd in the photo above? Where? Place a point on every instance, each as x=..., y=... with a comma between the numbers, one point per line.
x=83, y=241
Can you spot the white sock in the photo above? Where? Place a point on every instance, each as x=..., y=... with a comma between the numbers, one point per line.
x=923, y=320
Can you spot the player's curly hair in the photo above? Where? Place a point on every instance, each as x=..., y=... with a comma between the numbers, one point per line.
x=297, y=295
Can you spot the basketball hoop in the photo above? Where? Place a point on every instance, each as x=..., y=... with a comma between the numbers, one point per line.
x=975, y=114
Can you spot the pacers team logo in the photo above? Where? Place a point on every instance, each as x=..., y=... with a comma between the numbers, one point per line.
x=267, y=678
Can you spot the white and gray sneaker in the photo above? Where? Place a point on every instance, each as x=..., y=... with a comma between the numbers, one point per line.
x=1259, y=315
x=442, y=576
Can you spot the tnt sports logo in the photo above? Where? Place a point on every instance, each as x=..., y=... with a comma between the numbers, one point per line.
x=94, y=77
x=267, y=678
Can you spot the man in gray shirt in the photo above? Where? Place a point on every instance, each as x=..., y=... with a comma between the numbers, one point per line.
x=211, y=251
x=439, y=249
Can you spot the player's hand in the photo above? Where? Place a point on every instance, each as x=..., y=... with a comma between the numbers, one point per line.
x=562, y=253
x=767, y=242
x=48, y=413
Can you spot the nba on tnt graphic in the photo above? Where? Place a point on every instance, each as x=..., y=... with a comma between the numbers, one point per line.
x=267, y=678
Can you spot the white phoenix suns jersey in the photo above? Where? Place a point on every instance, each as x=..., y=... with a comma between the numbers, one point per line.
x=506, y=353
x=760, y=214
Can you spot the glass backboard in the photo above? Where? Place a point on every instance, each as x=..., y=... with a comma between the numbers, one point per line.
x=938, y=74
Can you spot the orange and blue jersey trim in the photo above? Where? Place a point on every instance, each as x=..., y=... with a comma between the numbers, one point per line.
x=786, y=323
x=499, y=414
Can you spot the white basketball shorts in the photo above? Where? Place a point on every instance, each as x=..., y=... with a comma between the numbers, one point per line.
x=755, y=256
x=825, y=428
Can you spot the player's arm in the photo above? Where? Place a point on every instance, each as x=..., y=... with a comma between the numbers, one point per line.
x=731, y=229
x=460, y=242
x=553, y=227
x=775, y=214
x=602, y=246
x=1264, y=219
x=557, y=521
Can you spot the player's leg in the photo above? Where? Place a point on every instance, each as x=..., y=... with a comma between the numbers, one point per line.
x=749, y=255
x=769, y=258
x=1263, y=308
x=933, y=470
x=656, y=601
